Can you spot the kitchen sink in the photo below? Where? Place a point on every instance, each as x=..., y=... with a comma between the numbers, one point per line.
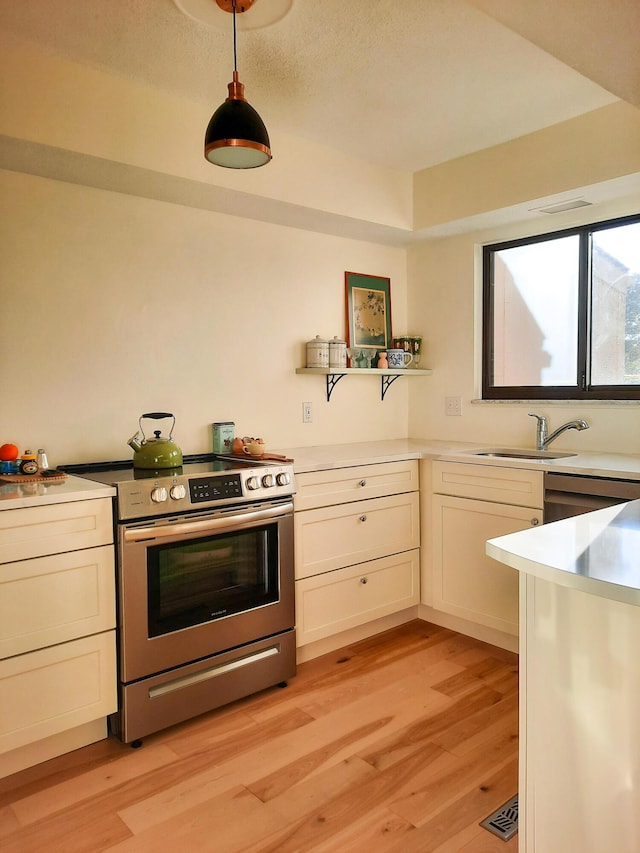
x=506, y=453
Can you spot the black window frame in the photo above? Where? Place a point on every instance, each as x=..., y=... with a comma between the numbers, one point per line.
x=583, y=390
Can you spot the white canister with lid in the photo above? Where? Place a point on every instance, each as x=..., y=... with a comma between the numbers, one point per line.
x=318, y=352
x=337, y=352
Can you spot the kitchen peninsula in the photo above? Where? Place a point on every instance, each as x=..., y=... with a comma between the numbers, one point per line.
x=580, y=680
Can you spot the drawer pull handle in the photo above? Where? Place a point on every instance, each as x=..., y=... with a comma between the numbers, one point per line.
x=534, y=521
x=363, y=518
x=363, y=580
x=362, y=483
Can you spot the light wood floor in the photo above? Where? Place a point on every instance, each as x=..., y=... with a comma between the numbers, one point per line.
x=401, y=742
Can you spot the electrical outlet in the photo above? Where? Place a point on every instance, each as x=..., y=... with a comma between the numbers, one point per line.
x=453, y=406
x=307, y=414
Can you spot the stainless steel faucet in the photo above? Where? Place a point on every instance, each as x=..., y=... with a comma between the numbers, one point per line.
x=543, y=439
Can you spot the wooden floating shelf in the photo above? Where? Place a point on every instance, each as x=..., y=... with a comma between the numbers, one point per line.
x=387, y=376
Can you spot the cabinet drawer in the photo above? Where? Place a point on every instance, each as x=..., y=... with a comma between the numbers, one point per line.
x=53, y=599
x=341, y=485
x=55, y=528
x=334, y=537
x=55, y=689
x=343, y=599
x=516, y=486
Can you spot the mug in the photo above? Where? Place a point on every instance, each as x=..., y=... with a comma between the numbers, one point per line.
x=398, y=358
x=254, y=448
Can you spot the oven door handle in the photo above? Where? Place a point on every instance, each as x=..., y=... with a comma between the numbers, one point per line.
x=136, y=534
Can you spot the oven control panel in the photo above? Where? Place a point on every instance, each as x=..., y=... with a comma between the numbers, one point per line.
x=158, y=496
x=215, y=488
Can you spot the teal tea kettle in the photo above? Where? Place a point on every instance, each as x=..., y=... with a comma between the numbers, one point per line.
x=155, y=452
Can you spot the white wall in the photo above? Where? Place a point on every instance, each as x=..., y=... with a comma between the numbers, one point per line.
x=113, y=305
x=445, y=291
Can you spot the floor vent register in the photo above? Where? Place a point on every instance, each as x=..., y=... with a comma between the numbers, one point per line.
x=504, y=821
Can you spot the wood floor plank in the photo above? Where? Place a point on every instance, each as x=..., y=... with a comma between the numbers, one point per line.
x=229, y=822
x=452, y=776
x=460, y=812
x=8, y=821
x=70, y=793
x=408, y=735
x=332, y=818
x=398, y=746
x=285, y=760
x=485, y=842
x=314, y=793
x=326, y=699
x=486, y=724
x=79, y=830
x=378, y=831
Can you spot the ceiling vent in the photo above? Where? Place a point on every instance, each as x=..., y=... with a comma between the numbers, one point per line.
x=561, y=206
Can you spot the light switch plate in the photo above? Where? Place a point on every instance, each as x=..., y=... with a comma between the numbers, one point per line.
x=453, y=406
x=307, y=413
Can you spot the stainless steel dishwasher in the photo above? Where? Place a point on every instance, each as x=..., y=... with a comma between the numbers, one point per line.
x=566, y=495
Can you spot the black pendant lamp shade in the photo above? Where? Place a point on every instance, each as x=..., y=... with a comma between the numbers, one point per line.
x=236, y=137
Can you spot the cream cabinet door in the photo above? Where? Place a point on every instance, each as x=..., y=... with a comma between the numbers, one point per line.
x=466, y=582
x=517, y=486
x=54, y=528
x=345, y=598
x=342, y=485
x=334, y=537
x=54, y=599
x=55, y=689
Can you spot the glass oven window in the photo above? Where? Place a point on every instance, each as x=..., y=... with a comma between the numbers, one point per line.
x=206, y=579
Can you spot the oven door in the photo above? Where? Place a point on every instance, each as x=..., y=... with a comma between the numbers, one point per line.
x=203, y=583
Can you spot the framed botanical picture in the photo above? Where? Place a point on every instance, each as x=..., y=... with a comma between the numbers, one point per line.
x=368, y=300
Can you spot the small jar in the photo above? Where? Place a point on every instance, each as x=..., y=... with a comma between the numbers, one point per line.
x=43, y=462
x=28, y=463
x=318, y=352
x=337, y=352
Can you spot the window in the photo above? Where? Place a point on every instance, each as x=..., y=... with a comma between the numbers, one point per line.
x=561, y=315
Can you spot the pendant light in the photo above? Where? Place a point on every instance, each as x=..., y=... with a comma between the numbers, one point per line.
x=236, y=137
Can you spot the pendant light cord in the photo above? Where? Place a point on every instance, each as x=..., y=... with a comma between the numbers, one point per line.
x=235, y=52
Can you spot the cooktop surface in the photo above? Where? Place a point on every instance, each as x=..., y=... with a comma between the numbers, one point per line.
x=201, y=482
x=122, y=471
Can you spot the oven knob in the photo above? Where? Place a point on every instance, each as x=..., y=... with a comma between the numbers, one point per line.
x=253, y=483
x=178, y=492
x=159, y=494
x=283, y=479
x=268, y=481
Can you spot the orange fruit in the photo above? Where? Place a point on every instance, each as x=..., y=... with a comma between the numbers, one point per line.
x=8, y=452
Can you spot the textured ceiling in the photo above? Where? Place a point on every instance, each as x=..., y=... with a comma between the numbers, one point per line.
x=402, y=83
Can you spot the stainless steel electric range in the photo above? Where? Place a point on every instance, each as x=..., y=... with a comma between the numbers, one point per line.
x=205, y=583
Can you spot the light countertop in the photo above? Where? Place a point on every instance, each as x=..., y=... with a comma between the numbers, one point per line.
x=19, y=495
x=321, y=457
x=598, y=552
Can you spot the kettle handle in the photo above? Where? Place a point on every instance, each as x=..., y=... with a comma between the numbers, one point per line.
x=158, y=416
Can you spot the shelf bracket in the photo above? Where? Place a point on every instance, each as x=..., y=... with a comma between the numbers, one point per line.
x=387, y=382
x=332, y=381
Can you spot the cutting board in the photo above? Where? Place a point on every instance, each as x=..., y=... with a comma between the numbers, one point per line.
x=31, y=478
x=269, y=457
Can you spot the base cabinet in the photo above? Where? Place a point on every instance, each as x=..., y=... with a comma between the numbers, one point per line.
x=345, y=598
x=55, y=689
x=465, y=582
x=357, y=540
x=57, y=629
x=579, y=704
